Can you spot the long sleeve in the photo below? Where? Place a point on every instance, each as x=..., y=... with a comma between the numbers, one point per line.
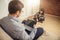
x=22, y=34
x=17, y=30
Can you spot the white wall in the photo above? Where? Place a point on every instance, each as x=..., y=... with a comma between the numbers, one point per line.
x=30, y=8
x=27, y=10
x=3, y=8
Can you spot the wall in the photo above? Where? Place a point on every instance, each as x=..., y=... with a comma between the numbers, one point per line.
x=3, y=8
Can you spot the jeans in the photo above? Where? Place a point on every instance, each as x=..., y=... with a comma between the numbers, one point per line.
x=39, y=32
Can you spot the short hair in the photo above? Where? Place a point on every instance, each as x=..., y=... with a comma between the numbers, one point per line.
x=14, y=6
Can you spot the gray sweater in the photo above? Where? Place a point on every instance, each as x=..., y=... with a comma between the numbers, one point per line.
x=16, y=29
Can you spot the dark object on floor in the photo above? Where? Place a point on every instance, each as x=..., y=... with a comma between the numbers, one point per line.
x=29, y=23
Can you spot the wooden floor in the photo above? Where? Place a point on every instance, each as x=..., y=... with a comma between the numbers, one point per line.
x=51, y=26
